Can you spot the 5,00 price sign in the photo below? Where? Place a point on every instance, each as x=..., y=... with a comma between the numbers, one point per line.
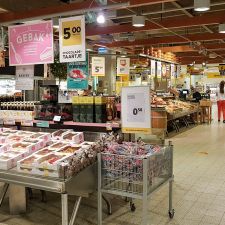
x=136, y=114
x=72, y=39
x=98, y=66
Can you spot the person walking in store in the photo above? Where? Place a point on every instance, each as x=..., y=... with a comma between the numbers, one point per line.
x=221, y=101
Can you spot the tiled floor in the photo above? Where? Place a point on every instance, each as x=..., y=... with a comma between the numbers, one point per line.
x=199, y=189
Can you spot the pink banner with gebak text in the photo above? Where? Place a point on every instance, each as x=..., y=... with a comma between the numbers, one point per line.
x=31, y=44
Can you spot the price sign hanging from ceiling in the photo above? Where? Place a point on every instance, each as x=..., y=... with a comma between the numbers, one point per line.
x=136, y=109
x=72, y=39
x=98, y=66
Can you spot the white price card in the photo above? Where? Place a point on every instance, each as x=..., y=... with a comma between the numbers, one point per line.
x=98, y=66
x=136, y=109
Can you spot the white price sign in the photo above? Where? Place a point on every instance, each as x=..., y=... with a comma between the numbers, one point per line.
x=153, y=67
x=72, y=39
x=136, y=109
x=123, y=66
x=98, y=66
x=159, y=69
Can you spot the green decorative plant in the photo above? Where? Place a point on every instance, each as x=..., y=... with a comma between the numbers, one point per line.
x=59, y=70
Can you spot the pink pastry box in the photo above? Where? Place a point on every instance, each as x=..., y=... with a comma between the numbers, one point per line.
x=52, y=161
x=39, y=143
x=76, y=137
x=9, y=159
x=27, y=147
x=27, y=165
x=46, y=137
x=58, y=145
x=57, y=135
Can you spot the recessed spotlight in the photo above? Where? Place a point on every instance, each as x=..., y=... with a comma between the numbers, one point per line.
x=101, y=18
x=138, y=21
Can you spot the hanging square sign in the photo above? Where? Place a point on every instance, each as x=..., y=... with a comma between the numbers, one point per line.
x=72, y=39
x=31, y=44
x=123, y=66
x=98, y=66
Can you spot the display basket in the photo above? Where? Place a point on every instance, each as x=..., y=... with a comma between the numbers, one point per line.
x=135, y=176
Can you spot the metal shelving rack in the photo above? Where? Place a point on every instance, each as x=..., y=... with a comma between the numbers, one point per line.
x=135, y=177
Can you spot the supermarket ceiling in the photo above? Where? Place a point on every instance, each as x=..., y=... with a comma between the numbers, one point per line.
x=170, y=25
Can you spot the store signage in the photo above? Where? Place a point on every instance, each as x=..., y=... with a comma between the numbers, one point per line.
x=98, y=66
x=44, y=124
x=9, y=122
x=25, y=77
x=27, y=123
x=172, y=70
x=136, y=109
x=31, y=44
x=123, y=66
x=77, y=75
x=222, y=69
x=153, y=67
x=72, y=39
x=102, y=50
x=159, y=69
x=212, y=72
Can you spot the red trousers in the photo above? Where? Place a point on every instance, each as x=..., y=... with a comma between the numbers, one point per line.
x=221, y=109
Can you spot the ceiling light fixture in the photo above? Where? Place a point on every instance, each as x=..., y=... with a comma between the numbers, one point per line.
x=100, y=18
x=212, y=55
x=201, y=5
x=222, y=28
x=138, y=21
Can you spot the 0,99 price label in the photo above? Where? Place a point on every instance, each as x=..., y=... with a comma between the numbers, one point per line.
x=135, y=107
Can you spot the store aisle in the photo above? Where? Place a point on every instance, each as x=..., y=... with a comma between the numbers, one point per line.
x=199, y=189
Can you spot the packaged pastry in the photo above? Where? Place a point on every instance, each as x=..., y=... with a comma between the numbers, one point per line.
x=59, y=133
x=76, y=137
x=43, y=152
x=69, y=149
x=57, y=145
x=24, y=146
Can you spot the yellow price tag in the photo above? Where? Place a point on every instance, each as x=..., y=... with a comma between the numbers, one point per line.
x=71, y=31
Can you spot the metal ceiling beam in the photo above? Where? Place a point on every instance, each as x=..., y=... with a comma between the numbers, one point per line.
x=168, y=40
x=190, y=15
x=185, y=48
x=209, y=61
x=197, y=54
x=138, y=3
x=175, y=22
x=57, y=11
x=71, y=9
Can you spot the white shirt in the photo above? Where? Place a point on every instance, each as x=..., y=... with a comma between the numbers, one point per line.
x=219, y=95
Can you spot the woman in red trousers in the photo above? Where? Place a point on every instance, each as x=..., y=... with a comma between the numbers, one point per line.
x=221, y=101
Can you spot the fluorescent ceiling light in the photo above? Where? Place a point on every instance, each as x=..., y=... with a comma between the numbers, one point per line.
x=101, y=19
x=222, y=28
x=138, y=21
x=201, y=5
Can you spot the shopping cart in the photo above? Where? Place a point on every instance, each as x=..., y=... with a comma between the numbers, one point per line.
x=135, y=177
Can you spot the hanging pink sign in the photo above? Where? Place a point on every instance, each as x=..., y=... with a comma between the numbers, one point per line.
x=31, y=44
